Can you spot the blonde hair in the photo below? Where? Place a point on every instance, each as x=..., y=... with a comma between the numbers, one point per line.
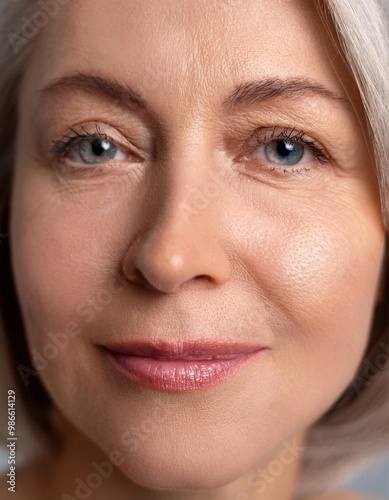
x=354, y=431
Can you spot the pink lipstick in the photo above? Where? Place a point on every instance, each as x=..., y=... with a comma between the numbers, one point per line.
x=180, y=366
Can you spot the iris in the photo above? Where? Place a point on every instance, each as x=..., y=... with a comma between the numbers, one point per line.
x=283, y=152
x=96, y=151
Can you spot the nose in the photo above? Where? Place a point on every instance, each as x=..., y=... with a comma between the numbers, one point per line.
x=180, y=244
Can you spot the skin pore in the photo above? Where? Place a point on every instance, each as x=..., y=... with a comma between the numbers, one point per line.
x=286, y=255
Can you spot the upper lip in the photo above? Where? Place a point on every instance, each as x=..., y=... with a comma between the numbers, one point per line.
x=183, y=349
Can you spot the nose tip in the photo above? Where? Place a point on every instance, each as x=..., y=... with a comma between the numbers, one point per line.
x=164, y=273
x=170, y=282
x=166, y=265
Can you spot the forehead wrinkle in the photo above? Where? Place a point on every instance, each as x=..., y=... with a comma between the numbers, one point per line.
x=197, y=65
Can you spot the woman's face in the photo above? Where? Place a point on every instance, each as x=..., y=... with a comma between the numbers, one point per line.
x=239, y=199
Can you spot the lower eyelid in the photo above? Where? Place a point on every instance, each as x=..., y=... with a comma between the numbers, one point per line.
x=275, y=173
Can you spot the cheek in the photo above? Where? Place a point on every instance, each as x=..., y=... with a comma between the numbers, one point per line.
x=64, y=267
x=320, y=285
x=63, y=263
x=62, y=248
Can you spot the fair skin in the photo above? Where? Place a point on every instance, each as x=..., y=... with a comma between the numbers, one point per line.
x=288, y=258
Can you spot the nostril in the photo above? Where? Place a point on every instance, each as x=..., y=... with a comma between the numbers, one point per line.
x=139, y=279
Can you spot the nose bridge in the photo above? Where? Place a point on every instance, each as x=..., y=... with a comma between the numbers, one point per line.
x=183, y=182
x=179, y=239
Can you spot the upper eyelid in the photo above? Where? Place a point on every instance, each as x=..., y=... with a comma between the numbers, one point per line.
x=323, y=124
x=70, y=139
x=291, y=134
x=77, y=136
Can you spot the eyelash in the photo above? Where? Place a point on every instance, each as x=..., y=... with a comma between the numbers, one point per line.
x=61, y=148
x=291, y=135
x=300, y=138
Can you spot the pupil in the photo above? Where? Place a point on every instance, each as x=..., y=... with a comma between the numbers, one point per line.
x=284, y=148
x=100, y=147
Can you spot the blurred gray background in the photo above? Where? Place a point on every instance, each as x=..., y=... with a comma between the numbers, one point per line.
x=374, y=480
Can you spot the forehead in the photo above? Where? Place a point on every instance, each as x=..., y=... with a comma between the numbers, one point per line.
x=197, y=47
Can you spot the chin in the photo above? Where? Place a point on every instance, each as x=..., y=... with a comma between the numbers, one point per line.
x=175, y=464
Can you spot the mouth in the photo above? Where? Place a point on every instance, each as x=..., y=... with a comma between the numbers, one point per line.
x=181, y=366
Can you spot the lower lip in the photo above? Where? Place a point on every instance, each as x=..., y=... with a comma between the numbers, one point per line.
x=178, y=375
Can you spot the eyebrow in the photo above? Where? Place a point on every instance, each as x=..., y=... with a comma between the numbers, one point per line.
x=103, y=85
x=272, y=88
x=248, y=93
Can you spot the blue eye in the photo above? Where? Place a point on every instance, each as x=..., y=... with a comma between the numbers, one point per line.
x=89, y=148
x=283, y=148
x=284, y=152
x=91, y=151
